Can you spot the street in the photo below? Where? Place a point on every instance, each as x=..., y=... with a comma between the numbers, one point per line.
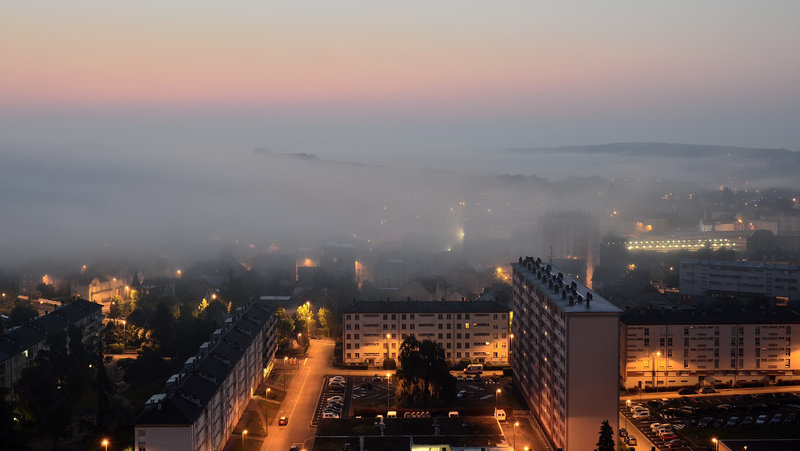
x=300, y=403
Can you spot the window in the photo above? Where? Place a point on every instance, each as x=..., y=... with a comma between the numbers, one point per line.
x=458, y=326
x=685, y=331
x=647, y=342
x=716, y=330
x=686, y=352
x=758, y=331
x=741, y=352
x=686, y=342
x=466, y=336
x=440, y=316
x=356, y=336
x=741, y=330
x=788, y=362
x=466, y=316
x=741, y=341
x=394, y=336
x=449, y=336
x=403, y=316
x=449, y=345
x=494, y=317
x=661, y=342
x=458, y=336
x=440, y=325
x=347, y=316
x=440, y=336
x=669, y=352
x=348, y=336
x=394, y=316
x=716, y=353
x=403, y=326
x=458, y=345
x=385, y=317
x=357, y=355
x=646, y=331
x=458, y=316
x=348, y=346
x=716, y=363
x=466, y=345
x=758, y=352
x=348, y=355
x=448, y=326
x=669, y=341
x=347, y=327
x=686, y=364
x=358, y=345
x=758, y=363
x=716, y=342
x=394, y=326
x=385, y=327
x=733, y=352
x=733, y=363
x=758, y=341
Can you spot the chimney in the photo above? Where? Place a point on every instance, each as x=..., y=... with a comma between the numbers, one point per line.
x=564, y=295
x=571, y=300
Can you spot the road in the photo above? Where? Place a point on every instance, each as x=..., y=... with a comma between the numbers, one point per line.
x=720, y=392
x=299, y=405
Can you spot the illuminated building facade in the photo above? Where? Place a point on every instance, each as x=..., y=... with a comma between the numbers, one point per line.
x=670, y=348
x=565, y=354
x=726, y=278
x=474, y=330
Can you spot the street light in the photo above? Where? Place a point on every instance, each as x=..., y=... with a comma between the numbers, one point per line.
x=516, y=425
x=388, y=392
x=308, y=322
x=496, y=393
x=285, y=360
x=715, y=442
x=244, y=434
x=266, y=412
x=388, y=336
x=105, y=443
x=655, y=368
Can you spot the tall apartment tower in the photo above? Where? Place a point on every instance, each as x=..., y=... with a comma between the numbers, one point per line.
x=565, y=354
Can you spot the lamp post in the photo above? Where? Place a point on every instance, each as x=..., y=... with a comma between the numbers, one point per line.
x=105, y=444
x=388, y=392
x=715, y=442
x=308, y=321
x=655, y=368
x=496, y=393
x=285, y=360
x=266, y=412
x=244, y=434
x=625, y=414
x=516, y=425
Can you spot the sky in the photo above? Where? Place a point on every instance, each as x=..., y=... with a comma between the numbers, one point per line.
x=153, y=104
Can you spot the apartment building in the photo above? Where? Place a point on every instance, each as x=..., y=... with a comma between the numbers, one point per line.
x=668, y=348
x=201, y=405
x=565, y=354
x=20, y=345
x=726, y=278
x=474, y=330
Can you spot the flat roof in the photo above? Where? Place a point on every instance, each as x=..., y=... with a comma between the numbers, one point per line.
x=426, y=307
x=762, y=444
x=729, y=315
x=528, y=268
x=737, y=264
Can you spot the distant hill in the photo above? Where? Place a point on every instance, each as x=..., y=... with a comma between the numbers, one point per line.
x=662, y=150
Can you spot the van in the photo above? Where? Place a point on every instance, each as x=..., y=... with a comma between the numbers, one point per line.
x=391, y=414
x=453, y=414
x=500, y=414
x=476, y=368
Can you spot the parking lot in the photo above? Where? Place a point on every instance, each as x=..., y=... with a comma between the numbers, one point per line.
x=331, y=390
x=696, y=419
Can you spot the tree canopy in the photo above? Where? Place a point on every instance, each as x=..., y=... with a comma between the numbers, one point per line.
x=424, y=375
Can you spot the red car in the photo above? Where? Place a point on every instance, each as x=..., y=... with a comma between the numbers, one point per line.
x=283, y=421
x=668, y=437
x=675, y=444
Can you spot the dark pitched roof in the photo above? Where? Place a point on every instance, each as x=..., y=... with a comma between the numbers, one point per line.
x=37, y=329
x=425, y=307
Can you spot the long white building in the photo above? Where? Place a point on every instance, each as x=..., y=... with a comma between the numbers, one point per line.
x=201, y=405
x=565, y=354
x=669, y=348
x=474, y=330
x=730, y=278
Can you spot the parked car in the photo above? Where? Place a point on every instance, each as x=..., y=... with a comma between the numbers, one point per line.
x=283, y=421
x=376, y=378
x=777, y=419
x=762, y=419
x=631, y=440
x=641, y=415
x=330, y=415
x=705, y=422
x=676, y=443
x=706, y=390
x=669, y=437
x=791, y=418
x=336, y=398
x=732, y=421
x=687, y=391
x=747, y=421
x=460, y=394
x=718, y=422
x=623, y=432
x=654, y=426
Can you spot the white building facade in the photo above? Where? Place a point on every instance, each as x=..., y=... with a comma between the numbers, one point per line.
x=673, y=348
x=474, y=330
x=565, y=354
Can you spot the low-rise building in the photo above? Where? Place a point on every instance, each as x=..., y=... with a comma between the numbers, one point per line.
x=202, y=404
x=565, y=354
x=669, y=348
x=474, y=330
x=20, y=345
x=733, y=278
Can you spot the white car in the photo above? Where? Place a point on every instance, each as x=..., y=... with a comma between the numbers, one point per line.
x=461, y=394
x=330, y=415
x=335, y=399
x=641, y=415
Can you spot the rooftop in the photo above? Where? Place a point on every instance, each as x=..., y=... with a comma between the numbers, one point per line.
x=559, y=287
x=21, y=338
x=762, y=444
x=737, y=264
x=734, y=315
x=425, y=307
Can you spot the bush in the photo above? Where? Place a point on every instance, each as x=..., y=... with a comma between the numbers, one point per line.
x=116, y=348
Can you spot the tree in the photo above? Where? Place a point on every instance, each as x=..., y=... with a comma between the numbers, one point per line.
x=22, y=313
x=606, y=442
x=304, y=317
x=323, y=315
x=424, y=375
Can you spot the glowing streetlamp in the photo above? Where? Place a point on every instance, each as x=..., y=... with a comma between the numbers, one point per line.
x=388, y=336
x=715, y=442
x=285, y=361
x=628, y=405
x=308, y=322
x=516, y=425
x=105, y=443
x=388, y=391
x=266, y=412
x=496, y=393
x=244, y=434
